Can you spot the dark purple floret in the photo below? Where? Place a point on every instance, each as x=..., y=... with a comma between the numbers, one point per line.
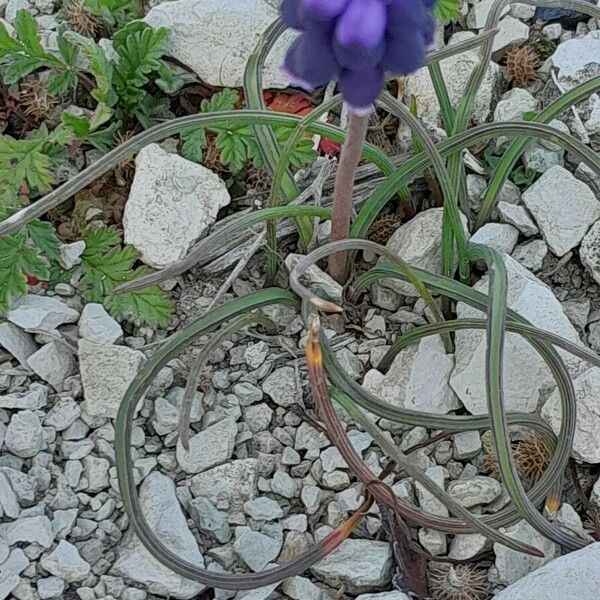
x=356, y=42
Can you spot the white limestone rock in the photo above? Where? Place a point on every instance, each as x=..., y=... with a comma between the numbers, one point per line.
x=24, y=434
x=66, y=562
x=96, y=325
x=475, y=491
x=577, y=60
x=171, y=204
x=517, y=216
x=589, y=251
x=17, y=342
x=106, y=372
x=574, y=575
x=319, y=282
x=456, y=70
x=513, y=565
x=359, y=565
x=531, y=255
x=500, y=236
x=45, y=313
x=563, y=224
x=53, y=362
x=418, y=242
x=31, y=530
x=208, y=448
x=511, y=32
x=412, y=383
x=525, y=373
x=235, y=480
x=586, y=444
x=256, y=549
x=163, y=512
x=513, y=105
x=215, y=38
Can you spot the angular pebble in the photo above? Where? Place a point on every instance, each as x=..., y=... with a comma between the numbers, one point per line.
x=66, y=563
x=96, y=325
x=45, y=313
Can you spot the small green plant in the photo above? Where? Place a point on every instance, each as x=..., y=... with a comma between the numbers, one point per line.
x=24, y=54
x=236, y=144
x=446, y=10
x=520, y=176
x=105, y=265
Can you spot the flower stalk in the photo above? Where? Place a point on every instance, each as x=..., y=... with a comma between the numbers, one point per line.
x=344, y=186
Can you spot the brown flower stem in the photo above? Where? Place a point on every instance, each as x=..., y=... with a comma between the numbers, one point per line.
x=344, y=186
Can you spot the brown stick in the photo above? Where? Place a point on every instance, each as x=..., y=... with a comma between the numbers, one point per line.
x=344, y=185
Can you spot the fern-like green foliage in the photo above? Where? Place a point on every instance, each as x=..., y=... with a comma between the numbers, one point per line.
x=24, y=54
x=29, y=161
x=446, y=10
x=236, y=143
x=105, y=265
x=115, y=13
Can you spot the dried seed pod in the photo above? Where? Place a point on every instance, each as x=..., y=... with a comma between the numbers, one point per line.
x=259, y=180
x=35, y=102
x=457, y=582
x=82, y=20
x=532, y=456
x=383, y=228
x=522, y=65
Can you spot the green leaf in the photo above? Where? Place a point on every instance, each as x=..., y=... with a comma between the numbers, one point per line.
x=26, y=30
x=101, y=240
x=106, y=265
x=43, y=236
x=221, y=101
x=25, y=161
x=303, y=153
x=81, y=126
x=150, y=306
x=193, y=141
x=447, y=10
x=17, y=261
x=232, y=146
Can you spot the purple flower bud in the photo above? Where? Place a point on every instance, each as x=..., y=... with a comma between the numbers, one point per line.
x=361, y=26
x=356, y=41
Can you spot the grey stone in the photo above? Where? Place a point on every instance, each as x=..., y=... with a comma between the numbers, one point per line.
x=50, y=587
x=531, y=255
x=513, y=565
x=589, y=252
x=283, y=484
x=215, y=39
x=43, y=313
x=28, y=529
x=17, y=342
x=525, y=373
x=586, y=446
x=359, y=565
x=513, y=105
x=516, y=215
x=301, y=588
x=70, y=254
x=411, y=383
x=467, y=444
x=578, y=311
x=53, y=362
x=34, y=398
x=563, y=225
x=256, y=549
x=263, y=509
x=96, y=472
x=319, y=282
x=384, y=596
x=66, y=563
x=8, y=584
x=106, y=372
x=9, y=505
x=24, y=434
x=467, y=545
x=478, y=14
x=475, y=490
x=236, y=479
x=256, y=354
x=574, y=575
x=258, y=417
x=209, y=448
x=510, y=32
x=167, y=521
x=171, y=204
x=209, y=520
x=577, y=60
x=427, y=501
x=63, y=414
x=96, y=325
x=281, y=386
x=418, y=242
x=500, y=236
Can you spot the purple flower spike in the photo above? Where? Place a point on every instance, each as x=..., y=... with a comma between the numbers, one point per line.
x=356, y=42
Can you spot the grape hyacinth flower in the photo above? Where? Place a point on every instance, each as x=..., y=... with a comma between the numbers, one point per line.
x=356, y=42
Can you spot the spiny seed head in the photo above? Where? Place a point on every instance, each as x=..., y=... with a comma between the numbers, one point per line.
x=522, y=65
x=81, y=19
x=356, y=42
x=532, y=456
x=34, y=100
x=457, y=582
